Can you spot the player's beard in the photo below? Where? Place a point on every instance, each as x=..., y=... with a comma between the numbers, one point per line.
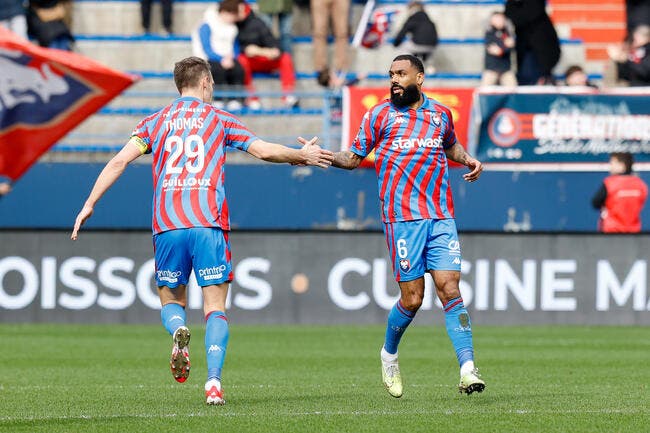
x=410, y=95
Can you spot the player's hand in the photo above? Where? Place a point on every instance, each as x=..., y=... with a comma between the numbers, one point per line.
x=314, y=155
x=83, y=215
x=306, y=142
x=476, y=168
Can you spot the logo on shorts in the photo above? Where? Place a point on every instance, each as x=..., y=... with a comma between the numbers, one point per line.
x=454, y=248
x=213, y=273
x=169, y=276
x=404, y=264
x=456, y=261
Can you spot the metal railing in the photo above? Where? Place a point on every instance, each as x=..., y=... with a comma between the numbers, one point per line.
x=326, y=104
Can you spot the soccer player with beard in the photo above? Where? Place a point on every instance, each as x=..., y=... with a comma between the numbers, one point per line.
x=413, y=136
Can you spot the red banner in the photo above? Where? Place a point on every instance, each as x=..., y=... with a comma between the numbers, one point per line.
x=358, y=100
x=45, y=93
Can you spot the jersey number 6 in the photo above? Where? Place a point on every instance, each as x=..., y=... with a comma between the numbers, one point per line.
x=402, y=252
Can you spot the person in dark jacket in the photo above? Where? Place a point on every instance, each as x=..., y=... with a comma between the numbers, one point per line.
x=12, y=17
x=537, y=45
x=498, y=46
x=621, y=197
x=421, y=30
x=638, y=13
x=45, y=21
x=633, y=64
x=260, y=52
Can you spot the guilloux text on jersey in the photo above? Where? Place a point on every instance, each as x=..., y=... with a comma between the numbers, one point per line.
x=180, y=183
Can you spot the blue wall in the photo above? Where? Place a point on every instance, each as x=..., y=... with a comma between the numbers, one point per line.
x=281, y=197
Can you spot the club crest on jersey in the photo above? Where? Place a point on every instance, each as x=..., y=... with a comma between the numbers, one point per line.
x=404, y=264
x=436, y=118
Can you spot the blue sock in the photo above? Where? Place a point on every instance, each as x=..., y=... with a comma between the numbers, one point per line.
x=216, y=340
x=459, y=329
x=399, y=319
x=172, y=317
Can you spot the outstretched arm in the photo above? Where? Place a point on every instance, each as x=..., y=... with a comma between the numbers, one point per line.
x=457, y=154
x=347, y=160
x=309, y=154
x=111, y=172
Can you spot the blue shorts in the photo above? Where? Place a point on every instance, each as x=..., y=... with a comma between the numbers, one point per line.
x=204, y=249
x=418, y=246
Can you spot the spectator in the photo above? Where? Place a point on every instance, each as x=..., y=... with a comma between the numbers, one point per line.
x=45, y=21
x=283, y=10
x=5, y=186
x=145, y=10
x=260, y=52
x=633, y=64
x=621, y=197
x=576, y=76
x=322, y=11
x=498, y=47
x=12, y=17
x=422, y=32
x=215, y=40
x=537, y=45
x=638, y=13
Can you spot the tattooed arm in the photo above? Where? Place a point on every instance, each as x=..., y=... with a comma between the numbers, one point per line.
x=457, y=154
x=346, y=160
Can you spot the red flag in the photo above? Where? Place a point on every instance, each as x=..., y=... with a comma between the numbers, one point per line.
x=45, y=93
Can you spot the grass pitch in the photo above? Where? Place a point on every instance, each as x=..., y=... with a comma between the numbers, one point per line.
x=64, y=378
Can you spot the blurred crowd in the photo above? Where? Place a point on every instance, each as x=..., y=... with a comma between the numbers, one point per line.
x=521, y=44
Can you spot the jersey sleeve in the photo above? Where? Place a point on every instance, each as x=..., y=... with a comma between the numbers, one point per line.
x=141, y=138
x=449, y=139
x=364, y=142
x=236, y=134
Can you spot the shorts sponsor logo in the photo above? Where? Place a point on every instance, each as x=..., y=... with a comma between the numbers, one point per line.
x=454, y=248
x=169, y=276
x=404, y=264
x=213, y=273
x=456, y=261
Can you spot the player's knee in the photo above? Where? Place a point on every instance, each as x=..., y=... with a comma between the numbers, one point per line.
x=412, y=301
x=448, y=290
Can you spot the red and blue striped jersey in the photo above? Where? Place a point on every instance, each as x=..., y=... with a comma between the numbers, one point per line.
x=187, y=139
x=410, y=159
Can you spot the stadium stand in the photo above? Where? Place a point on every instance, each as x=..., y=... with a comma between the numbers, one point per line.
x=110, y=32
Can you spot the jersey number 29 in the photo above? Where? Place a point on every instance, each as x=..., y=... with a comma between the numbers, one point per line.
x=193, y=149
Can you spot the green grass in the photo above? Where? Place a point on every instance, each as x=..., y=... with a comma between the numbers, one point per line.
x=65, y=378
